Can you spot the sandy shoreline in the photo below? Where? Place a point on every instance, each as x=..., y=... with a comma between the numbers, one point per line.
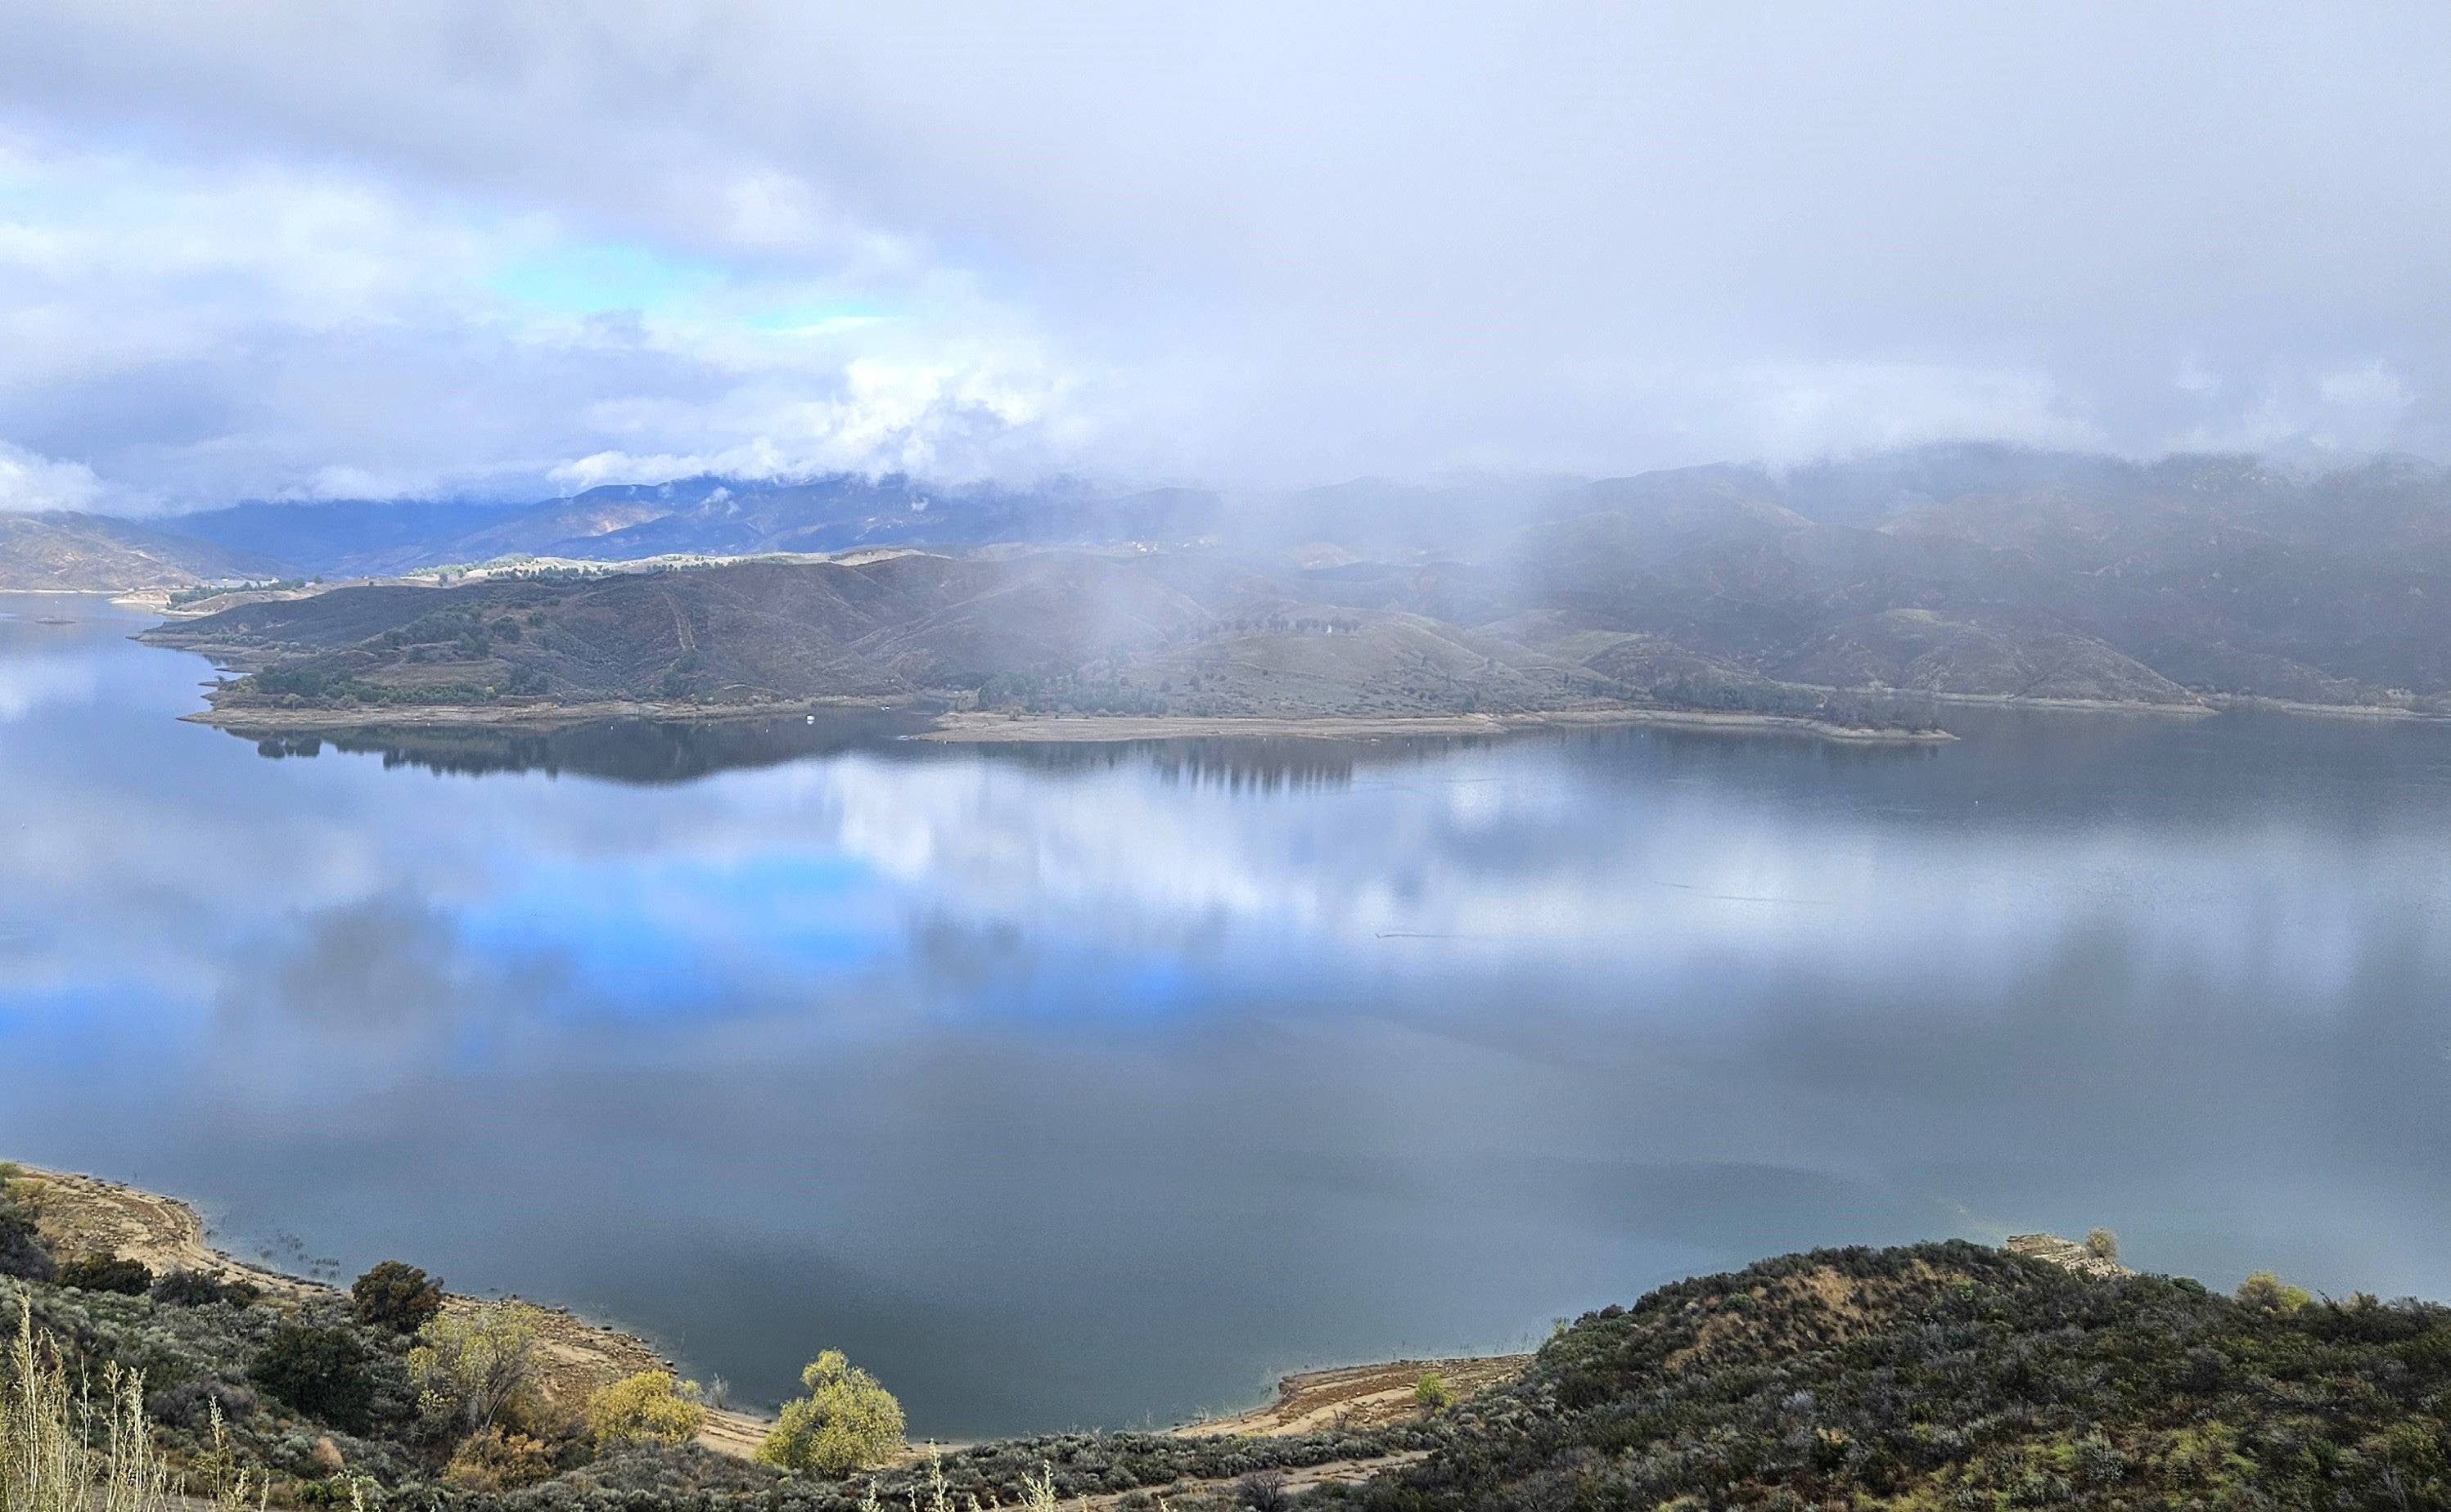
x=1065, y=728
x=973, y=728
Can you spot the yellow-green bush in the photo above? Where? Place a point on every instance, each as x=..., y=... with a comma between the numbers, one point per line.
x=2265, y=1290
x=846, y=1422
x=646, y=1407
x=475, y=1368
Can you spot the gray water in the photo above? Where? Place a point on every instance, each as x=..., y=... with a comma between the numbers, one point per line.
x=1099, y=1085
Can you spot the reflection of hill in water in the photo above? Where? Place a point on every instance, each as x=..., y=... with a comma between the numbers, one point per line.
x=637, y=751
x=654, y=751
x=1239, y=764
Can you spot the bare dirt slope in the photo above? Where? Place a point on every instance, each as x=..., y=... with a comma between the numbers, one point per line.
x=1359, y=1396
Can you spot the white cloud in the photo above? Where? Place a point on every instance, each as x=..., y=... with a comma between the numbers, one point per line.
x=28, y=484
x=258, y=248
x=1799, y=412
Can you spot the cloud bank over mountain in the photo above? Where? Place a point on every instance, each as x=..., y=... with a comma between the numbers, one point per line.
x=280, y=249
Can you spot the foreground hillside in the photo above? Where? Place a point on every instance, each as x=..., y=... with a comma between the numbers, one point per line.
x=1931, y=1376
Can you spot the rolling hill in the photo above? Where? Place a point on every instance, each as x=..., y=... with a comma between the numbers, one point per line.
x=98, y=553
x=1966, y=572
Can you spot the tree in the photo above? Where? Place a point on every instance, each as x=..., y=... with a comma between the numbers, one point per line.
x=646, y=1407
x=319, y=1371
x=1263, y=1491
x=472, y=1369
x=395, y=1296
x=846, y=1422
x=1433, y=1392
x=2102, y=1243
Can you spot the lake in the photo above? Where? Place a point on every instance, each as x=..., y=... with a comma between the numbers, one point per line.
x=1100, y=1086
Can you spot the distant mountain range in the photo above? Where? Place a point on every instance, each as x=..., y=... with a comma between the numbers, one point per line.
x=1957, y=572
x=697, y=516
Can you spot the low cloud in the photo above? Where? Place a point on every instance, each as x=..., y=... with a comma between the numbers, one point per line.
x=292, y=250
x=31, y=484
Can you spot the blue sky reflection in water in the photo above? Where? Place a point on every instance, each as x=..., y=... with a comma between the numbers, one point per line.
x=1066, y=1085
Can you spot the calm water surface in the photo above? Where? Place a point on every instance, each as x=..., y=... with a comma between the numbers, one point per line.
x=1098, y=1087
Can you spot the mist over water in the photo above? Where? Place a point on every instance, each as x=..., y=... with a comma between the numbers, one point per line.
x=1066, y=1085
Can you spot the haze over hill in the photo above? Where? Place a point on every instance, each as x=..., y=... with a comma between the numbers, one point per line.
x=1958, y=572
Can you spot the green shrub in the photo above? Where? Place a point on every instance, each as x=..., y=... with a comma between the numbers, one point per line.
x=1433, y=1392
x=847, y=1422
x=321, y=1371
x=181, y=1287
x=23, y=1254
x=108, y=1272
x=391, y=1295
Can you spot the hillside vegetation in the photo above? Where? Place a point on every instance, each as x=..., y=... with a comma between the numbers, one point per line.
x=1932, y=1376
x=1951, y=1375
x=1046, y=632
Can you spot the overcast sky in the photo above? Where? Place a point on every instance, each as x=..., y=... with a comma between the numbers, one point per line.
x=262, y=248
